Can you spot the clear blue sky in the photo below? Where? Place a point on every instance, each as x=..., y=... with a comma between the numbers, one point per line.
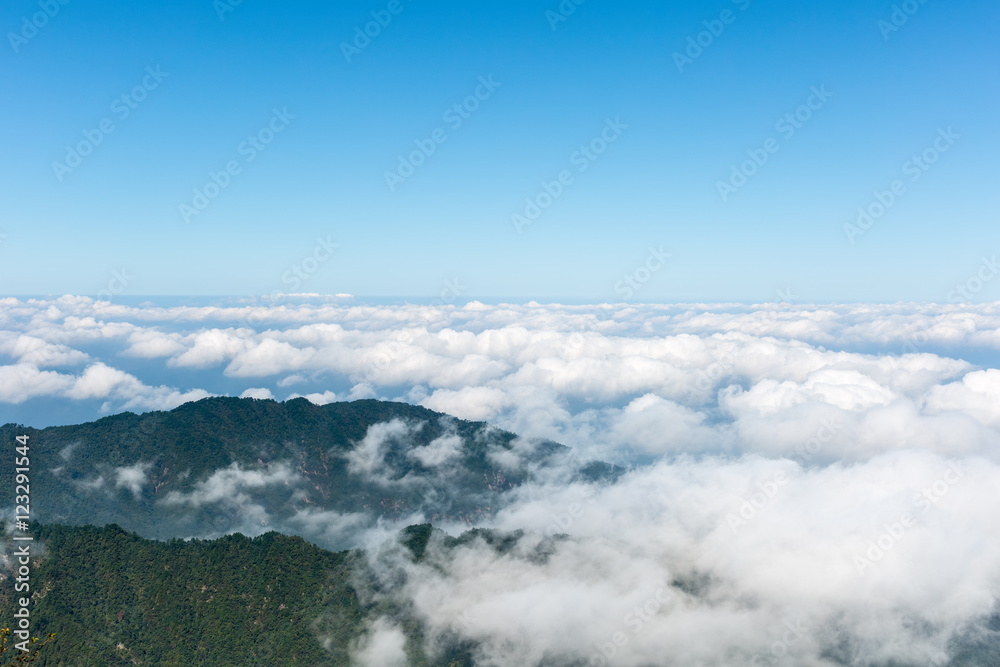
x=656, y=184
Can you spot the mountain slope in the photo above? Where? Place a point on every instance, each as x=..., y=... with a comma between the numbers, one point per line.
x=114, y=598
x=225, y=464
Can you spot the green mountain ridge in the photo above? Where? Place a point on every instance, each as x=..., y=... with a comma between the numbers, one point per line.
x=223, y=465
x=115, y=598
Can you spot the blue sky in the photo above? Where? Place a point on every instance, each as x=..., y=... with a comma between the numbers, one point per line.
x=345, y=124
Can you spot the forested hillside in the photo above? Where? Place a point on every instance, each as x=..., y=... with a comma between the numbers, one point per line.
x=225, y=465
x=114, y=598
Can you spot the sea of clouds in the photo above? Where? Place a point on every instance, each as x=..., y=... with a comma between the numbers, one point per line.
x=806, y=485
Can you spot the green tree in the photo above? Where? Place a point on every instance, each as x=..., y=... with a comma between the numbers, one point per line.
x=20, y=658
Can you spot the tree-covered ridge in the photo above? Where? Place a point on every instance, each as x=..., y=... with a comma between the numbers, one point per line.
x=178, y=473
x=113, y=598
x=200, y=437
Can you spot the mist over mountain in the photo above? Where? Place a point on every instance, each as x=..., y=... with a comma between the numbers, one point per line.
x=819, y=474
x=114, y=598
x=571, y=563
x=326, y=473
x=798, y=485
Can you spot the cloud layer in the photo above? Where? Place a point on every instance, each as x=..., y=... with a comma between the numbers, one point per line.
x=650, y=380
x=722, y=562
x=808, y=485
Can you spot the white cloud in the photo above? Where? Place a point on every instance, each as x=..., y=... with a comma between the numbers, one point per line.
x=803, y=553
x=257, y=392
x=37, y=351
x=21, y=382
x=132, y=478
x=295, y=378
x=652, y=379
x=439, y=451
x=153, y=344
x=228, y=485
x=326, y=525
x=862, y=408
x=367, y=458
x=475, y=403
x=209, y=348
x=268, y=357
x=655, y=425
x=318, y=399
x=977, y=394
x=383, y=646
x=163, y=398
x=100, y=380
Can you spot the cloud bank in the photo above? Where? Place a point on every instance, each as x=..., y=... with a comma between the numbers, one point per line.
x=807, y=485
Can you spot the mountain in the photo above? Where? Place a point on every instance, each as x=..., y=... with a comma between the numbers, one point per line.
x=223, y=465
x=270, y=492
x=220, y=532
x=114, y=598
